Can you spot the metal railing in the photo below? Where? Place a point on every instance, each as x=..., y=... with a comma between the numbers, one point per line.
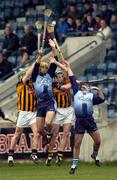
x=87, y=45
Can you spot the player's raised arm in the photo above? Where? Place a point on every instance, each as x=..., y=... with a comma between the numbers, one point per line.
x=73, y=80
x=99, y=98
x=53, y=46
x=54, y=63
x=34, y=67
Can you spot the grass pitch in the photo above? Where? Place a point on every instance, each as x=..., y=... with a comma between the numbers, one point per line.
x=30, y=171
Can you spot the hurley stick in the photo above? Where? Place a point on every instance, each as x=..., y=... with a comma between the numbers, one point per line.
x=13, y=122
x=101, y=80
x=39, y=31
x=50, y=29
x=47, y=14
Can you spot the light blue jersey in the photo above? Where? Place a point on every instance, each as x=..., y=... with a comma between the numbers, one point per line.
x=43, y=86
x=83, y=104
x=43, y=83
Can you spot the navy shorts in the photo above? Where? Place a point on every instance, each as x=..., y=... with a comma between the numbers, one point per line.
x=83, y=125
x=44, y=107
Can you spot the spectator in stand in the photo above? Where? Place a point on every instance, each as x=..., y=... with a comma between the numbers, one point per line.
x=62, y=28
x=106, y=13
x=96, y=10
x=87, y=9
x=113, y=23
x=71, y=26
x=24, y=61
x=10, y=43
x=105, y=33
x=97, y=25
x=79, y=27
x=89, y=25
x=5, y=68
x=29, y=40
x=73, y=12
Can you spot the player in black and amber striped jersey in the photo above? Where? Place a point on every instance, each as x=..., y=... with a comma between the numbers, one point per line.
x=63, y=97
x=64, y=115
x=26, y=96
x=26, y=117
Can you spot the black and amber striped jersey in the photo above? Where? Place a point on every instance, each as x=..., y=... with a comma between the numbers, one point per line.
x=26, y=97
x=62, y=97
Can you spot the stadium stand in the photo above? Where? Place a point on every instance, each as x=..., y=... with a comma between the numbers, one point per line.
x=29, y=11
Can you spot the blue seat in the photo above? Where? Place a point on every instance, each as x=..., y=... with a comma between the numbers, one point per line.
x=27, y=2
x=101, y=68
x=112, y=53
x=35, y=2
x=12, y=59
x=92, y=69
x=18, y=4
x=100, y=75
x=82, y=78
x=111, y=113
x=17, y=12
x=2, y=4
x=8, y=13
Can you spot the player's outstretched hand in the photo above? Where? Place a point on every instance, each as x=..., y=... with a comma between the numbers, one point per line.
x=41, y=52
x=51, y=43
x=52, y=59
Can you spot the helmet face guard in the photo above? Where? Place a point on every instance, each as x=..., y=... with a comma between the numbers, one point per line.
x=59, y=73
x=20, y=75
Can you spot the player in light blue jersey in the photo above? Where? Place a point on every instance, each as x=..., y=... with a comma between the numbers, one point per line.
x=42, y=77
x=84, y=100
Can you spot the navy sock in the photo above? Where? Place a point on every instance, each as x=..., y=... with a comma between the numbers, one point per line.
x=95, y=153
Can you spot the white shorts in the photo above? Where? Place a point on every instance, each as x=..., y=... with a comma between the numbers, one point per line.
x=64, y=116
x=26, y=118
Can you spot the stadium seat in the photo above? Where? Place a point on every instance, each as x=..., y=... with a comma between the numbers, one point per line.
x=111, y=113
x=8, y=13
x=101, y=68
x=12, y=59
x=2, y=4
x=82, y=78
x=9, y=4
x=112, y=53
x=19, y=4
x=35, y=2
x=17, y=12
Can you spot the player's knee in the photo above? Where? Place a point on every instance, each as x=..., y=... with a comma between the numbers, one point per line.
x=36, y=135
x=77, y=144
x=40, y=130
x=48, y=124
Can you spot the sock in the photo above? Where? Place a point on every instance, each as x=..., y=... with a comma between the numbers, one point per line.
x=34, y=151
x=75, y=163
x=11, y=152
x=95, y=153
x=60, y=154
x=50, y=155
